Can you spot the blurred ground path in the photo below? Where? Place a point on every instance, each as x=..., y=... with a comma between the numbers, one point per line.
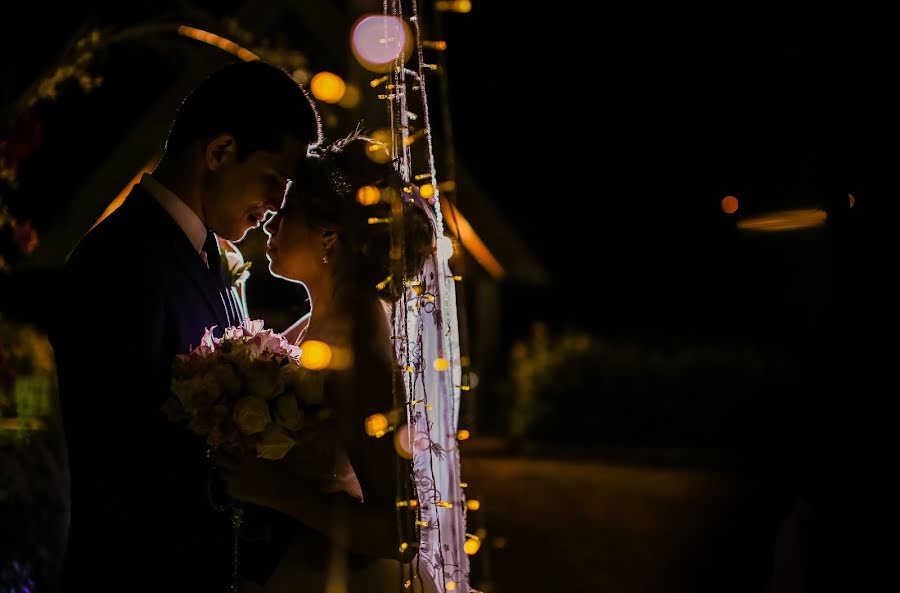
x=570, y=524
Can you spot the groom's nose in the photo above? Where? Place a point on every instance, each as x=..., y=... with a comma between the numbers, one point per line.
x=270, y=225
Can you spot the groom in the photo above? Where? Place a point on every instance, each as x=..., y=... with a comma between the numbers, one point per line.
x=139, y=289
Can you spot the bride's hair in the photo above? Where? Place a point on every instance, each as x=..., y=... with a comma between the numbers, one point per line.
x=335, y=189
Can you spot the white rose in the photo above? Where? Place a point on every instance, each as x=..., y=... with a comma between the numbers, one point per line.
x=251, y=414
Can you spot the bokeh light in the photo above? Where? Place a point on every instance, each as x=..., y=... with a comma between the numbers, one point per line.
x=381, y=151
x=376, y=425
x=460, y=6
x=463, y=435
x=472, y=545
x=315, y=355
x=729, y=204
x=377, y=40
x=441, y=364
x=368, y=195
x=426, y=191
x=473, y=505
x=785, y=220
x=401, y=442
x=328, y=87
x=352, y=97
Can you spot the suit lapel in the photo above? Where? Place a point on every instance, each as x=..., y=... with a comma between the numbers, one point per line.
x=173, y=238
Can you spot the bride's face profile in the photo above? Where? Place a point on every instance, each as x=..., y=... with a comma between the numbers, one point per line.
x=294, y=248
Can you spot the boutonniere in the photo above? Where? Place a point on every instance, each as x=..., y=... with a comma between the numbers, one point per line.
x=238, y=269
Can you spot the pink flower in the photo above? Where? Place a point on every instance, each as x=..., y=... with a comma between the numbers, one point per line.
x=25, y=237
x=233, y=333
x=208, y=343
x=252, y=327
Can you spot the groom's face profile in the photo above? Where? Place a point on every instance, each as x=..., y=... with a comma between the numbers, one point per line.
x=238, y=192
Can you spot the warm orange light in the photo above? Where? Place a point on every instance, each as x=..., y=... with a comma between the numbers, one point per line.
x=852, y=200
x=426, y=191
x=328, y=87
x=380, y=150
x=785, y=220
x=451, y=586
x=217, y=41
x=463, y=435
x=368, y=195
x=376, y=425
x=472, y=545
x=315, y=355
x=120, y=199
x=473, y=505
x=729, y=204
x=460, y=6
x=454, y=219
x=441, y=364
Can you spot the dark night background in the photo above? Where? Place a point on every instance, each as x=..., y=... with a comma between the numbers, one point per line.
x=739, y=371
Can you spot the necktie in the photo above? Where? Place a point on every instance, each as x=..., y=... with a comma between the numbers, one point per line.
x=211, y=249
x=214, y=261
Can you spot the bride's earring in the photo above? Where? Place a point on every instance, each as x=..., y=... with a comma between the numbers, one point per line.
x=324, y=256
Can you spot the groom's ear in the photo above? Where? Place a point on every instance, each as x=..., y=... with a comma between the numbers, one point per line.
x=329, y=240
x=219, y=150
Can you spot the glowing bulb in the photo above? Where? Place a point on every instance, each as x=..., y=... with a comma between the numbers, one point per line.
x=383, y=283
x=315, y=355
x=404, y=546
x=376, y=425
x=368, y=195
x=441, y=364
x=328, y=87
x=461, y=6
x=462, y=435
x=378, y=40
x=473, y=505
x=472, y=546
x=729, y=204
x=426, y=191
x=380, y=151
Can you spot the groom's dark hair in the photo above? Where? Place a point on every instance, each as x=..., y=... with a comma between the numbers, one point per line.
x=258, y=103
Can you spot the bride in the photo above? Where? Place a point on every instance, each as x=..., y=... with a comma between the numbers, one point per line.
x=340, y=525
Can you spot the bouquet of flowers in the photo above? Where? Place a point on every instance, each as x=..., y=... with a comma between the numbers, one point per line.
x=246, y=391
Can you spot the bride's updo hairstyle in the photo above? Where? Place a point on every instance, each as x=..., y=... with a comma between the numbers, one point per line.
x=383, y=229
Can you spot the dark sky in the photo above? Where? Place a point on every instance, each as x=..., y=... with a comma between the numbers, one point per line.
x=609, y=136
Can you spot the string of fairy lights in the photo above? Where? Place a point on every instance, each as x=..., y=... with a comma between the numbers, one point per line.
x=425, y=321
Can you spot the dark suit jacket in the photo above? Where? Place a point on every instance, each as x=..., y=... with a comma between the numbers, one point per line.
x=135, y=293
